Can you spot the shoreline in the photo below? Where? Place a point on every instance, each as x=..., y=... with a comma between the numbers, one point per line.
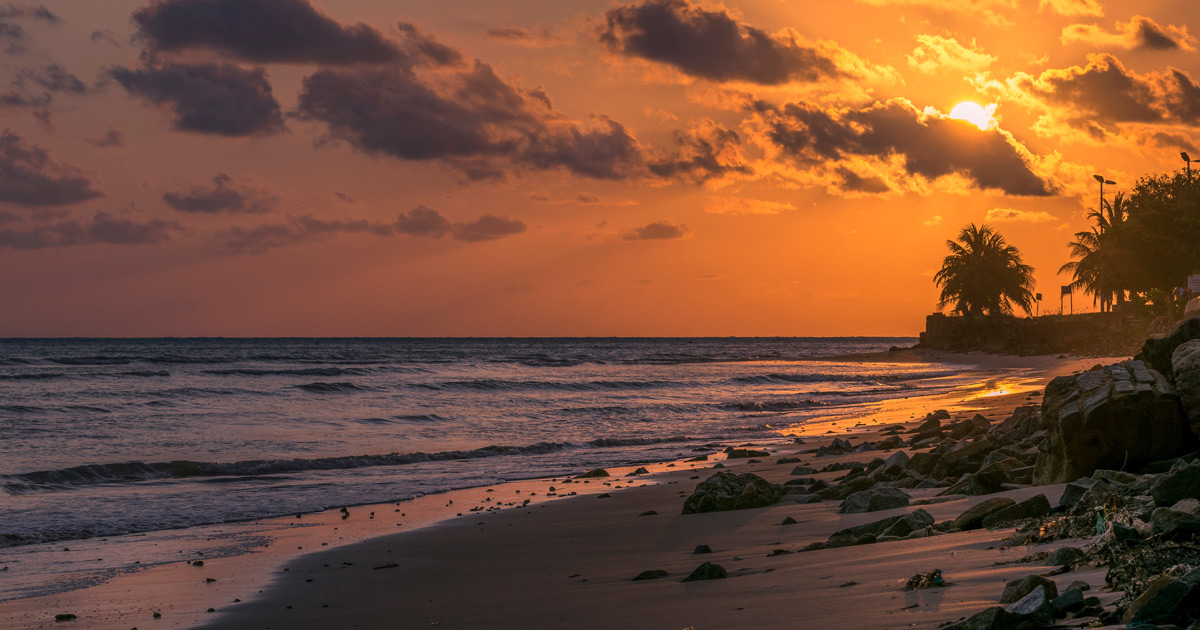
x=182, y=595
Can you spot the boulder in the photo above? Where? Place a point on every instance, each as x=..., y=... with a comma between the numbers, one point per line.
x=933, y=421
x=1074, y=491
x=860, y=534
x=1181, y=482
x=1023, y=423
x=1067, y=556
x=923, y=463
x=1029, y=508
x=1157, y=351
x=846, y=488
x=707, y=571
x=906, y=525
x=973, y=517
x=1119, y=416
x=1018, y=589
x=651, y=574
x=879, y=497
x=1035, y=607
x=1167, y=522
x=744, y=453
x=1070, y=601
x=1167, y=600
x=964, y=457
x=729, y=491
x=1185, y=362
x=890, y=443
x=895, y=463
x=804, y=470
x=591, y=474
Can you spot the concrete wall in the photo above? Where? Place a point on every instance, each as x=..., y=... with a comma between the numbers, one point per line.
x=1101, y=334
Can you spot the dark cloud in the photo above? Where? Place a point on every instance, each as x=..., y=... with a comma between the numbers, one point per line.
x=13, y=35
x=488, y=227
x=278, y=31
x=18, y=11
x=224, y=195
x=657, y=231
x=30, y=177
x=534, y=38
x=103, y=228
x=706, y=151
x=478, y=124
x=931, y=146
x=344, y=197
x=1139, y=33
x=105, y=35
x=111, y=139
x=1172, y=141
x=711, y=44
x=1104, y=91
x=420, y=221
x=853, y=182
x=214, y=98
x=36, y=87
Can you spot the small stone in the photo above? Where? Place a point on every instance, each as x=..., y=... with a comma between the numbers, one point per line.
x=64, y=617
x=702, y=549
x=599, y=472
x=652, y=574
x=707, y=571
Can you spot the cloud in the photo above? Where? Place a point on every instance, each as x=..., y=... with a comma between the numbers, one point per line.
x=935, y=53
x=103, y=228
x=274, y=31
x=930, y=145
x=30, y=177
x=1104, y=91
x=657, y=231
x=1085, y=8
x=420, y=221
x=742, y=205
x=223, y=196
x=105, y=35
x=582, y=199
x=344, y=197
x=36, y=87
x=1139, y=33
x=110, y=140
x=1171, y=141
x=14, y=34
x=706, y=150
x=488, y=227
x=712, y=44
x=213, y=98
x=1009, y=215
x=936, y=220
x=541, y=37
x=852, y=182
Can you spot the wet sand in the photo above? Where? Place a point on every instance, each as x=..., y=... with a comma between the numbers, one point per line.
x=569, y=562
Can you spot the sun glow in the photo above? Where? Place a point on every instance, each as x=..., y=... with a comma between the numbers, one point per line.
x=975, y=114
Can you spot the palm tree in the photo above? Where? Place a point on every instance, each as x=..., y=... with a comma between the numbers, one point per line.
x=984, y=274
x=1097, y=268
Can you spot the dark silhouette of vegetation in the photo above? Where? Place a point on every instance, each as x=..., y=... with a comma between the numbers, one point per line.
x=984, y=275
x=1143, y=246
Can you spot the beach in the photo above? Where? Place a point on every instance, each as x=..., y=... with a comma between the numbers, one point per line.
x=482, y=557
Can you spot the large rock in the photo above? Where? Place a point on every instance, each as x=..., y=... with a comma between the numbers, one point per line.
x=1121, y=416
x=895, y=463
x=1029, y=508
x=1016, y=590
x=1185, y=362
x=1023, y=423
x=868, y=532
x=973, y=517
x=963, y=457
x=879, y=497
x=1032, y=611
x=1181, y=482
x=729, y=491
x=1167, y=600
x=1157, y=350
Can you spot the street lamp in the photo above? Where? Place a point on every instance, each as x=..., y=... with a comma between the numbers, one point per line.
x=1100, y=178
x=1184, y=155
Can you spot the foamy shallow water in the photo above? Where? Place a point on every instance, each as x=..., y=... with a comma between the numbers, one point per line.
x=100, y=438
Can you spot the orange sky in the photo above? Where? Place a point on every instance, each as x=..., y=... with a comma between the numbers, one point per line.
x=662, y=167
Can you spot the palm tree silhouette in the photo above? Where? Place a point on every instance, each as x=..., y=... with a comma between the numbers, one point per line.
x=1096, y=268
x=984, y=274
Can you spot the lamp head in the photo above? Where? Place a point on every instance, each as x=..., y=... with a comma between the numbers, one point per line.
x=1098, y=178
x=1110, y=182
x=1184, y=155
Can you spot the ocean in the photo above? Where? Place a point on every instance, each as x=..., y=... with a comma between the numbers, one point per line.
x=140, y=441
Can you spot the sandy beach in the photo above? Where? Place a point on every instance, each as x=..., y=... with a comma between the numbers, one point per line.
x=484, y=557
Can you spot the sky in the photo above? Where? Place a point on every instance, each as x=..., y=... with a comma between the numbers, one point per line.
x=548, y=168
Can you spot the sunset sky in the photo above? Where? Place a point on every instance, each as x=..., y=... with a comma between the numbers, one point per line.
x=545, y=168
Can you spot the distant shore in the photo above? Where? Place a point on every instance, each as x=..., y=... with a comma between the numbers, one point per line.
x=562, y=563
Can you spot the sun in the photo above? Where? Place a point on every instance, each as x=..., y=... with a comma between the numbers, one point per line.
x=975, y=114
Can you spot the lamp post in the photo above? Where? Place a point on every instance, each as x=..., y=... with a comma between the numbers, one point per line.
x=1184, y=155
x=1100, y=210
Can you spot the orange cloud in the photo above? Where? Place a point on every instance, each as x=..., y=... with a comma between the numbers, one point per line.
x=935, y=53
x=1139, y=33
x=1002, y=215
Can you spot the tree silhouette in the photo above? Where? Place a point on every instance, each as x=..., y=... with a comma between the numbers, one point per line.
x=1099, y=257
x=983, y=274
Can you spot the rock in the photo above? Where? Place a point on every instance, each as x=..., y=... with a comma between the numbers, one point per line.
x=1119, y=416
x=64, y=617
x=1020, y=588
x=1185, y=362
x=847, y=488
x=707, y=571
x=860, y=534
x=787, y=460
x=1070, y=601
x=728, y=491
x=788, y=521
x=864, y=447
x=895, y=463
x=743, y=453
x=599, y=472
x=973, y=517
x=1064, y=556
x=698, y=458
x=803, y=470
x=986, y=482
x=1159, y=350
x=652, y=574
x=641, y=470
x=805, y=499
x=1179, y=483
x=963, y=458
x=1074, y=491
x=890, y=443
x=702, y=549
x=1167, y=600
x=1032, y=507
x=1023, y=423
x=1035, y=607
x=1168, y=522
x=933, y=420
x=879, y=497
x=923, y=463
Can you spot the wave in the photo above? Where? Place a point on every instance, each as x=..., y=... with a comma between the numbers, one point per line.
x=23, y=409
x=145, y=373
x=420, y=417
x=135, y=472
x=500, y=385
x=777, y=378
x=91, y=360
x=31, y=376
x=776, y=405
x=331, y=388
x=321, y=371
